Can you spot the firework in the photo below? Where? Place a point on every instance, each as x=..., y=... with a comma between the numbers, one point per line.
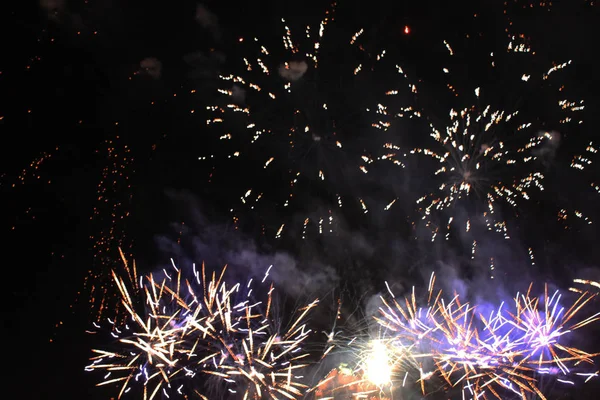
x=508, y=349
x=484, y=160
x=287, y=117
x=200, y=335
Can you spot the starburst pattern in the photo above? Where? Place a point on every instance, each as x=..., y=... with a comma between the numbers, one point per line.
x=507, y=349
x=202, y=329
x=485, y=159
x=292, y=117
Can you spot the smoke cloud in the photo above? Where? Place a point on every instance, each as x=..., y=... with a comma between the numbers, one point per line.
x=293, y=70
x=547, y=151
x=208, y=21
x=152, y=67
x=218, y=245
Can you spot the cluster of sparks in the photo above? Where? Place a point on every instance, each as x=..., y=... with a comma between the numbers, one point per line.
x=469, y=159
x=484, y=153
x=583, y=163
x=483, y=161
x=203, y=337
x=292, y=127
x=203, y=329
x=32, y=171
x=29, y=174
x=110, y=213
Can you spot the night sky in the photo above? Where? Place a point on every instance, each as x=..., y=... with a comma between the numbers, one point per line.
x=104, y=119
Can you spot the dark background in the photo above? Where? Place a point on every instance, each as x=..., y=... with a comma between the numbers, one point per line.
x=92, y=144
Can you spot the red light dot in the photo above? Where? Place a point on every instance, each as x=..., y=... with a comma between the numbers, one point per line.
x=406, y=29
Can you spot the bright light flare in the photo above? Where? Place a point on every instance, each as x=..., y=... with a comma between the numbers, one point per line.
x=377, y=365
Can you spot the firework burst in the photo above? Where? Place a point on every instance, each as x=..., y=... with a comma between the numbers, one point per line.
x=292, y=116
x=201, y=335
x=485, y=159
x=508, y=349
